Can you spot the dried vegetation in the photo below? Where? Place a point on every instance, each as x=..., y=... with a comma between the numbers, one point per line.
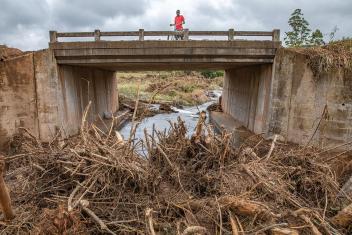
x=331, y=57
x=96, y=183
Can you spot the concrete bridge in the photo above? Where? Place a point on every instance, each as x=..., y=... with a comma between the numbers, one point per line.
x=143, y=54
x=47, y=91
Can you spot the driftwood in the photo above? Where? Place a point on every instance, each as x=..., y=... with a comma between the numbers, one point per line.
x=250, y=152
x=283, y=231
x=302, y=213
x=149, y=218
x=194, y=230
x=5, y=200
x=247, y=208
x=198, y=130
x=345, y=193
x=84, y=205
x=344, y=217
x=233, y=224
x=271, y=148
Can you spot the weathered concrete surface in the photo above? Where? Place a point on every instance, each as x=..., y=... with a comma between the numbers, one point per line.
x=81, y=85
x=165, y=55
x=246, y=95
x=287, y=99
x=48, y=94
x=39, y=95
x=17, y=97
x=299, y=99
x=224, y=121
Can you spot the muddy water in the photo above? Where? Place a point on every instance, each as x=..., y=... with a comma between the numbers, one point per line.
x=161, y=121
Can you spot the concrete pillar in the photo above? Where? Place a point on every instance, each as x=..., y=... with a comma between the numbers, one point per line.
x=53, y=36
x=231, y=34
x=47, y=90
x=141, y=34
x=18, y=106
x=97, y=35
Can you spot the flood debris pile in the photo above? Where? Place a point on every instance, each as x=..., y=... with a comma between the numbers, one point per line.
x=97, y=183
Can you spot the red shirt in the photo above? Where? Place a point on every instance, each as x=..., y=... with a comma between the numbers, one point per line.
x=178, y=22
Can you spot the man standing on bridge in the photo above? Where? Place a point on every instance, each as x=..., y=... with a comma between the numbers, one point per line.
x=178, y=23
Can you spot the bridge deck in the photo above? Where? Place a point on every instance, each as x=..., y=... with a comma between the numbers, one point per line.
x=165, y=54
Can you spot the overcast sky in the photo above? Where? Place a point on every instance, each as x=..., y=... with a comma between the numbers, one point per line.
x=25, y=23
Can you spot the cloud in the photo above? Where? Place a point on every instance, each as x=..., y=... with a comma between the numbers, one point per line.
x=68, y=14
x=25, y=23
x=17, y=14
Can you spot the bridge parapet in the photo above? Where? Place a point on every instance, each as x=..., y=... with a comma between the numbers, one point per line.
x=187, y=54
x=141, y=34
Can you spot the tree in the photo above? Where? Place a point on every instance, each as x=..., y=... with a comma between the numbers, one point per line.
x=333, y=33
x=317, y=38
x=300, y=34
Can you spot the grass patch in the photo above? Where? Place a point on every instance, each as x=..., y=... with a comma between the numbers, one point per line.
x=176, y=87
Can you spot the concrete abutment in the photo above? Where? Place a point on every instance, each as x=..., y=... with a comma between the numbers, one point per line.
x=286, y=98
x=43, y=97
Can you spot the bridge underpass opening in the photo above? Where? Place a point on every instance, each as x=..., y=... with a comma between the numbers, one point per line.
x=245, y=97
x=246, y=92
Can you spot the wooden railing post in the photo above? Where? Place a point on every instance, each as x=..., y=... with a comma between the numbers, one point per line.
x=276, y=35
x=53, y=36
x=141, y=34
x=186, y=34
x=231, y=34
x=97, y=35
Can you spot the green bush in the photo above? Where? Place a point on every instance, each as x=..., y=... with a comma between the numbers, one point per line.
x=172, y=93
x=212, y=74
x=187, y=88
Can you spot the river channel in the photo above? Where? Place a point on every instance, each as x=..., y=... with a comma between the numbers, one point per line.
x=162, y=121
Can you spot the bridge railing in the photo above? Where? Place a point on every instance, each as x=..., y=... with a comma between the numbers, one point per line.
x=141, y=34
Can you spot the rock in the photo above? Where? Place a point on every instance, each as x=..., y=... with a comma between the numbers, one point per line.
x=211, y=94
x=179, y=106
x=108, y=115
x=165, y=107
